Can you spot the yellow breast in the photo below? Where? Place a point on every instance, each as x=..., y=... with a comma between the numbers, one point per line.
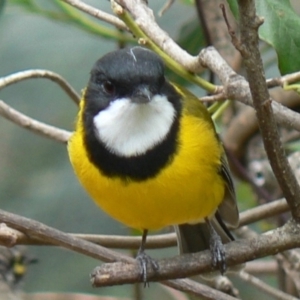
x=185, y=191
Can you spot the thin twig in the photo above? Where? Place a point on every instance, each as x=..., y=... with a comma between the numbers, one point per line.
x=289, y=262
x=267, y=289
x=235, y=87
x=214, y=98
x=30, y=74
x=38, y=230
x=192, y=287
x=108, y=241
x=271, y=243
x=234, y=40
x=156, y=241
x=283, y=80
x=99, y=14
x=262, y=267
x=144, y=18
x=263, y=211
x=165, y=7
x=33, y=125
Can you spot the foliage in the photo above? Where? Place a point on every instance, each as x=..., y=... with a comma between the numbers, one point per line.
x=280, y=30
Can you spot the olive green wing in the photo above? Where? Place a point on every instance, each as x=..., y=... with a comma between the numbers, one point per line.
x=227, y=210
x=196, y=237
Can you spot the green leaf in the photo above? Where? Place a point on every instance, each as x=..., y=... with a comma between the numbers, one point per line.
x=281, y=30
x=234, y=7
x=293, y=146
x=191, y=37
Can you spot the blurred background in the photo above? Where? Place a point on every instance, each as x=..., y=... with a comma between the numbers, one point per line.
x=36, y=179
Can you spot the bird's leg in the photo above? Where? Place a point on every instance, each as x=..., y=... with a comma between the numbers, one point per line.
x=216, y=248
x=144, y=259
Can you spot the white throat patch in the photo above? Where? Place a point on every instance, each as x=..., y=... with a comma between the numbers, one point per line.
x=129, y=129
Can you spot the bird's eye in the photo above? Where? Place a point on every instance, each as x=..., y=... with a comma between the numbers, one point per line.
x=108, y=87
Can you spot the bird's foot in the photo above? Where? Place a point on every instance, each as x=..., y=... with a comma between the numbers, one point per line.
x=218, y=253
x=217, y=249
x=144, y=261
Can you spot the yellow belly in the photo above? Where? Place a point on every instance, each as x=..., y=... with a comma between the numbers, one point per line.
x=186, y=191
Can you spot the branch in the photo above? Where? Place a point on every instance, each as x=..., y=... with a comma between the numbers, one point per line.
x=19, y=76
x=283, y=80
x=289, y=262
x=215, y=32
x=99, y=14
x=235, y=87
x=262, y=267
x=126, y=270
x=37, y=230
x=270, y=243
x=33, y=125
x=14, y=237
x=22, y=120
x=262, y=102
x=192, y=287
x=269, y=290
x=153, y=242
x=263, y=211
x=144, y=18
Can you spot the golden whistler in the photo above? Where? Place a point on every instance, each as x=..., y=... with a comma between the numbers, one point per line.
x=148, y=154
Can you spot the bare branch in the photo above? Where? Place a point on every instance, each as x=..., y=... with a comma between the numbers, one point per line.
x=236, y=87
x=197, y=289
x=283, y=80
x=35, y=126
x=270, y=243
x=289, y=262
x=263, y=211
x=277, y=294
x=264, y=267
x=37, y=230
x=153, y=242
x=30, y=74
x=281, y=239
x=144, y=18
x=214, y=98
x=109, y=241
x=101, y=15
x=165, y=7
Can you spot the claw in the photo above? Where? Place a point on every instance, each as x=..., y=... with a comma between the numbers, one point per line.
x=145, y=260
x=217, y=249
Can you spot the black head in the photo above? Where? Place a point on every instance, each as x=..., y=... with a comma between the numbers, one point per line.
x=132, y=76
x=134, y=73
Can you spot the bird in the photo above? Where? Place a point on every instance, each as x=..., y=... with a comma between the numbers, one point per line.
x=147, y=152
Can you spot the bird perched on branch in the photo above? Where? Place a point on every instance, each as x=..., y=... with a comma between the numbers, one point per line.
x=148, y=154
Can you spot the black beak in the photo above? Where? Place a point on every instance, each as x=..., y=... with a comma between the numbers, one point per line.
x=141, y=95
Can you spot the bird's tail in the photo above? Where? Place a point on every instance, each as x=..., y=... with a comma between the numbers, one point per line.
x=197, y=237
